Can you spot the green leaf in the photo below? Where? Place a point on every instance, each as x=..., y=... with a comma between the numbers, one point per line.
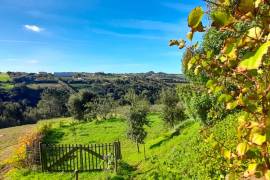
x=221, y=18
x=254, y=61
x=210, y=83
x=225, y=2
x=232, y=105
x=246, y=6
x=258, y=139
x=224, y=98
x=242, y=148
x=218, y=89
x=195, y=17
x=192, y=61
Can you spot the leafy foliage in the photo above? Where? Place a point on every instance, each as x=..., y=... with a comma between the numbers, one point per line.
x=238, y=72
x=172, y=111
x=200, y=105
x=137, y=119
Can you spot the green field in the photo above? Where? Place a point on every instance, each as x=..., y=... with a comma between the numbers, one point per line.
x=102, y=132
x=5, y=81
x=4, y=77
x=180, y=153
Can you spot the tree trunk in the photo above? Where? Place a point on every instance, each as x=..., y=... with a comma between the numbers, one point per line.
x=138, y=147
x=144, y=152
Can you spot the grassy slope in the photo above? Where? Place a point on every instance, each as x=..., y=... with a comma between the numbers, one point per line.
x=169, y=155
x=103, y=132
x=4, y=77
x=4, y=81
x=184, y=155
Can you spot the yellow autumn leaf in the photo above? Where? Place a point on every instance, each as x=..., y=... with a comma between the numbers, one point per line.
x=254, y=33
x=242, y=148
x=258, y=139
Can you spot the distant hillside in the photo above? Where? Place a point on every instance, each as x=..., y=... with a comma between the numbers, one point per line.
x=22, y=93
x=87, y=78
x=114, y=85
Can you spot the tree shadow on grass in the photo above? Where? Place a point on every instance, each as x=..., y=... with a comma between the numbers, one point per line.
x=126, y=169
x=176, y=132
x=53, y=137
x=110, y=120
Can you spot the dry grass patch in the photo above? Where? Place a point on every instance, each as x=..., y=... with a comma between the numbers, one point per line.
x=9, y=139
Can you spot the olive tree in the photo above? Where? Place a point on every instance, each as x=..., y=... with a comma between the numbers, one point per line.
x=137, y=119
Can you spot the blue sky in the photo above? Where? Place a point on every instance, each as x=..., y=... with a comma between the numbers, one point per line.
x=114, y=36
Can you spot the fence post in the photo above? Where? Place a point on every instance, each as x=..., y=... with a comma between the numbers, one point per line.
x=40, y=155
x=115, y=144
x=76, y=174
x=81, y=158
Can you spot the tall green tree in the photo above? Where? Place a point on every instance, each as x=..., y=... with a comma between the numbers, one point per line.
x=172, y=111
x=77, y=104
x=137, y=120
x=53, y=103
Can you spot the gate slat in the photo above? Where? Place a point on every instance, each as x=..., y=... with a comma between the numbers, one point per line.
x=74, y=159
x=85, y=162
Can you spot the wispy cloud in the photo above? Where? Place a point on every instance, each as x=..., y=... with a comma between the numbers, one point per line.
x=126, y=35
x=147, y=25
x=33, y=28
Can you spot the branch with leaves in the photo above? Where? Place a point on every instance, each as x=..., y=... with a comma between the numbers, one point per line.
x=243, y=62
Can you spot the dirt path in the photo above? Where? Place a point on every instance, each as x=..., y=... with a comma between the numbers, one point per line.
x=9, y=139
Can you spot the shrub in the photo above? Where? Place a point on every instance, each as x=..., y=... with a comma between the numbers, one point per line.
x=199, y=104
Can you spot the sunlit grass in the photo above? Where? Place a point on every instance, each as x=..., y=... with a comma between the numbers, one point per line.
x=4, y=77
x=68, y=131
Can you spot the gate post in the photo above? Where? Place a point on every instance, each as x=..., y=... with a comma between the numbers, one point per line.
x=115, y=145
x=81, y=158
x=40, y=156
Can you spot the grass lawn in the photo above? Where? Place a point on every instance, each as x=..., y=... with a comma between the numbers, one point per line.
x=159, y=142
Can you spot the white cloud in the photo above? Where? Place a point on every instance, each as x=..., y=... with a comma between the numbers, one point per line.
x=33, y=28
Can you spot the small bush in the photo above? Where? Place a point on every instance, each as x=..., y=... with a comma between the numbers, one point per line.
x=198, y=104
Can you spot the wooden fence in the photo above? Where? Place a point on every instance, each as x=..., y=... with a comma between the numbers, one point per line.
x=69, y=158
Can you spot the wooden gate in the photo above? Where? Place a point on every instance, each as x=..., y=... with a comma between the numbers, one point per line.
x=68, y=158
